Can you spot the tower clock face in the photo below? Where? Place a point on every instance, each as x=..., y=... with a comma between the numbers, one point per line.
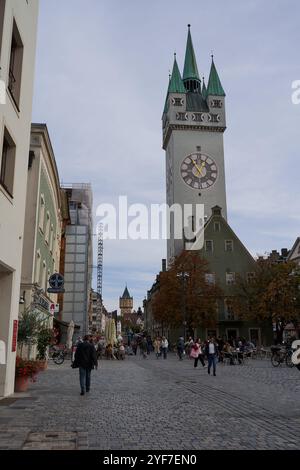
x=199, y=171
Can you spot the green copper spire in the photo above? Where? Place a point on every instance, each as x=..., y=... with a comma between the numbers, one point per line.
x=176, y=84
x=190, y=71
x=204, y=90
x=214, y=85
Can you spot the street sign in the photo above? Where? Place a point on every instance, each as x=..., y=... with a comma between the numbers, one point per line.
x=52, y=309
x=56, y=291
x=56, y=282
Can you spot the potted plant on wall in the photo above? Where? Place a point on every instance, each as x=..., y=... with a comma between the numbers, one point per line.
x=43, y=341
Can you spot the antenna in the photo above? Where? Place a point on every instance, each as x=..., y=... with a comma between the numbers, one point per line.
x=100, y=258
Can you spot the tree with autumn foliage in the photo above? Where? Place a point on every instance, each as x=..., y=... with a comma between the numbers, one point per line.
x=273, y=293
x=192, y=300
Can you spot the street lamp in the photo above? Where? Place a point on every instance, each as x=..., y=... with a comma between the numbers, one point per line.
x=183, y=277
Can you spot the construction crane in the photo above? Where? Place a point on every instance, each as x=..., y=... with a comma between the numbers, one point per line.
x=100, y=258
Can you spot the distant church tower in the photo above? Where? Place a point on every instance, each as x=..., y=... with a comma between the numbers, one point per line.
x=193, y=125
x=126, y=305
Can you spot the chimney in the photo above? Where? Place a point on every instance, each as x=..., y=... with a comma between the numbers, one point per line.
x=284, y=252
x=164, y=265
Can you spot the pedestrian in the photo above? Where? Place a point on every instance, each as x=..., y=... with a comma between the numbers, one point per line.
x=121, y=352
x=157, y=345
x=180, y=347
x=86, y=360
x=164, y=346
x=220, y=348
x=134, y=346
x=196, y=353
x=143, y=347
x=212, y=355
x=188, y=346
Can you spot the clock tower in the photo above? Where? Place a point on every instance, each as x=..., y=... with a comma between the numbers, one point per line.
x=193, y=125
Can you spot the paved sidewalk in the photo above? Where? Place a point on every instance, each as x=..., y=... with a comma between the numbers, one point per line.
x=157, y=404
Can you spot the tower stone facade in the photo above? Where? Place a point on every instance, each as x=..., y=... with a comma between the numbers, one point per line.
x=126, y=305
x=194, y=122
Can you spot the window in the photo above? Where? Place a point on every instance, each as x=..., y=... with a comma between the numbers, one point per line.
x=182, y=116
x=46, y=283
x=177, y=101
x=2, y=11
x=230, y=278
x=15, y=65
x=8, y=163
x=47, y=232
x=250, y=277
x=43, y=283
x=209, y=246
x=216, y=104
x=217, y=227
x=51, y=242
x=229, y=310
x=210, y=278
x=37, y=267
x=42, y=213
x=228, y=245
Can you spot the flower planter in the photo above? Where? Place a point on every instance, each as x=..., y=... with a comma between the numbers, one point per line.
x=21, y=384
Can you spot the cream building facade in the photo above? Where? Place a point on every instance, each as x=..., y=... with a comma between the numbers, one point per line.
x=18, y=29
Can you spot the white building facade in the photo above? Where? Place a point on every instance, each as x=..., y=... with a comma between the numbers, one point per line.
x=18, y=29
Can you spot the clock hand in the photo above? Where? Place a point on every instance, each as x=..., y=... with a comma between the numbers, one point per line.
x=199, y=169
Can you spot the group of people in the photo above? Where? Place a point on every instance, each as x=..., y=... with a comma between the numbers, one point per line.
x=91, y=348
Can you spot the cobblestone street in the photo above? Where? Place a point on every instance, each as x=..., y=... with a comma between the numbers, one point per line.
x=157, y=404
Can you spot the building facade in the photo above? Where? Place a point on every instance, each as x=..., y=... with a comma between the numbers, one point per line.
x=97, y=313
x=42, y=228
x=18, y=29
x=78, y=256
x=294, y=253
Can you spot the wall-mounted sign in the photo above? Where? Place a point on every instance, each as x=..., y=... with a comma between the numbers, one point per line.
x=56, y=282
x=15, y=336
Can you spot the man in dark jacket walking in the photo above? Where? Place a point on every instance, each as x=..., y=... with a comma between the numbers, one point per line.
x=86, y=360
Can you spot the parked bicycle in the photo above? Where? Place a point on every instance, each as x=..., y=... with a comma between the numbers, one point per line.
x=281, y=355
x=57, y=354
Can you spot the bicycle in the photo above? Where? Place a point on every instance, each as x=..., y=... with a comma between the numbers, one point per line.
x=279, y=356
x=58, y=355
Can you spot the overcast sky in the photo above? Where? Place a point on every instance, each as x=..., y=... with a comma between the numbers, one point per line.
x=101, y=80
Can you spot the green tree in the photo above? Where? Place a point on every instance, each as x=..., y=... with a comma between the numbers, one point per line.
x=271, y=294
x=189, y=298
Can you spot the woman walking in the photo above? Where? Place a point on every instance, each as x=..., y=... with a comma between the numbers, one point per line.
x=164, y=347
x=196, y=353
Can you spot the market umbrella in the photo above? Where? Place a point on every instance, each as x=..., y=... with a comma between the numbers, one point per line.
x=70, y=333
